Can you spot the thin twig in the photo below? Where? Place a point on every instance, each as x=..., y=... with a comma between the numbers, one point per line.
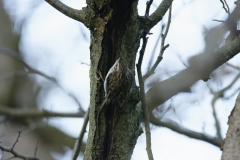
x=227, y=6
x=84, y=63
x=220, y=93
x=235, y=92
x=235, y=67
x=148, y=7
x=163, y=48
x=155, y=47
x=180, y=58
x=225, y=3
x=78, y=143
x=179, y=82
x=218, y=20
x=217, y=124
x=216, y=96
x=35, y=152
x=144, y=104
x=14, y=144
x=16, y=154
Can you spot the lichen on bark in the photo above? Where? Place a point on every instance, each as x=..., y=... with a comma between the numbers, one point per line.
x=114, y=30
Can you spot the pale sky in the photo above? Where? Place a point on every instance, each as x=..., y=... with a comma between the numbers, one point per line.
x=55, y=44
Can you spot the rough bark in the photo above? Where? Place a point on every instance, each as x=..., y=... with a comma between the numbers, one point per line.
x=231, y=145
x=114, y=28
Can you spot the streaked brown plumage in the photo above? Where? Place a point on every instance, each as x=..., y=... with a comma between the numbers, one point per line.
x=118, y=82
x=117, y=85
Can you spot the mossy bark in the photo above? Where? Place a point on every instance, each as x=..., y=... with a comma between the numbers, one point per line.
x=115, y=28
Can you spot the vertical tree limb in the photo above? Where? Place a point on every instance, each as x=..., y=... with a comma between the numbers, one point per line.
x=144, y=105
x=231, y=145
x=78, y=143
x=163, y=48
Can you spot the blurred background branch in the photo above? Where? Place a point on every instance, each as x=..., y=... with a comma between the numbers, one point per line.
x=20, y=113
x=216, y=141
x=21, y=90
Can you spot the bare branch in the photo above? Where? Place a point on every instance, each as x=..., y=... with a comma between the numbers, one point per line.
x=144, y=104
x=16, y=154
x=235, y=92
x=18, y=113
x=148, y=7
x=225, y=8
x=84, y=63
x=220, y=94
x=78, y=143
x=14, y=144
x=79, y=15
x=163, y=48
x=35, y=152
x=218, y=20
x=186, y=78
x=216, y=96
x=184, y=131
x=235, y=67
x=217, y=124
x=31, y=70
x=154, y=48
x=157, y=15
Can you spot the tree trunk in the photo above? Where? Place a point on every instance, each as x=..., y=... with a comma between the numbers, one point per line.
x=114, y=29
x=231, y=145
x=117, y=29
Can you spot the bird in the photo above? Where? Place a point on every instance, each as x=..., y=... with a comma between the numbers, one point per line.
x=118, y=82
x=117, y=86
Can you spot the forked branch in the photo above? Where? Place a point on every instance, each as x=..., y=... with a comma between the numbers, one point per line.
x=225, y=6
x=158, y=14
x=196, y=71
x=184, y=131
x=163, y=48
x=16, y=154
x=216, y=96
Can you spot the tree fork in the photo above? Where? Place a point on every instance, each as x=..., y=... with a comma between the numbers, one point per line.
x=115, y=29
